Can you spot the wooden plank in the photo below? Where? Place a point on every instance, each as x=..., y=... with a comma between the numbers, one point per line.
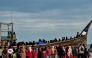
x=3, y=23
x=4, y=31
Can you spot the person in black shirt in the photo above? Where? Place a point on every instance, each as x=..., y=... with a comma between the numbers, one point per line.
x=18, y=53
x=39, y=53
x=4, y=53
x=60, y=51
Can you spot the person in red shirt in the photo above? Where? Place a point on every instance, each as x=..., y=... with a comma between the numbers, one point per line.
x=30, y=53
x=23, y=55
x=44, y=53
x=35, y=52
x=49, y=52
x=26, y=52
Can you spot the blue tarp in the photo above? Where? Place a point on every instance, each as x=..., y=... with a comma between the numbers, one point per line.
x=41, y=43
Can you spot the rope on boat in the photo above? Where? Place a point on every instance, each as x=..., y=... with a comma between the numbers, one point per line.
x=25, y=37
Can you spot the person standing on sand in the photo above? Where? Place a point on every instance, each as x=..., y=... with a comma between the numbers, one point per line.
x=74, y=52
x=35, y=52
x=14, y=54
x=23, y=55
x=77, y=51
x=56, y=53
x=81, y=51
x=49, y=52
x=64, y=52
x=18, y=52
x=69, y=53
x=53, y=52
x=26, y=52
x=39, y=52
x=10, y=52
x=85, y=53
x=30, y=53
x=4, y=53
x=44, y=53
x=59, y=50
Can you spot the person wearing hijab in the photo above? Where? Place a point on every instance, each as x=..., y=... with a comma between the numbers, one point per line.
x=56, y=53
x=26, y=52
x=10, y=52
x=30, y=53
x=69, y=53
x=35, y=52
x=44, y=53
x=64, y=52
x=74, y=52
x=53, y=52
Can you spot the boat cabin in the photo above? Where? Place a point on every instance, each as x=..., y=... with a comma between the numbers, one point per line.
x=10, y=37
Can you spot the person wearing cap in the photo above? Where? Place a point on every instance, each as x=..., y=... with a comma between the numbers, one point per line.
x=10, y=52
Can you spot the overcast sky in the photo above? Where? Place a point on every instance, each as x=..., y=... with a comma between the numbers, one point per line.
x=47, y=19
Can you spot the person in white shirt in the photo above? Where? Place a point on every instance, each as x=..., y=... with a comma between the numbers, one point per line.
x=81, y=51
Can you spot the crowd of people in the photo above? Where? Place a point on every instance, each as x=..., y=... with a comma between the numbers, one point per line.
x=46, y=52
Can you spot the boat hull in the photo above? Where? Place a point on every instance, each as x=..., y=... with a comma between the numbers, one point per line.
x=71, y=42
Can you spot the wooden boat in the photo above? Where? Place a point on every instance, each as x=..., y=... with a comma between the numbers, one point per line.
x=81, y=38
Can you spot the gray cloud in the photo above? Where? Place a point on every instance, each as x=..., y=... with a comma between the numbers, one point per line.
x=38, y=22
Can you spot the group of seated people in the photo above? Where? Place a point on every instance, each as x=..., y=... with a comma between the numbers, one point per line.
x=44, y=41
x=10, y=34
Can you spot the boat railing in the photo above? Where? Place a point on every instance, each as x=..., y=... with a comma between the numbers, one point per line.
x=70, y=42
x=63, y=42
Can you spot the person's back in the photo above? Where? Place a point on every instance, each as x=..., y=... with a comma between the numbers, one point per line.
x=74, y=52
x=26, y=52
x=14, y=55
x=49, y=51
x=18, y=53
x=39, y=53
x=81, y=49
x=23, y=52
x=44, y=54
x=59, y=51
